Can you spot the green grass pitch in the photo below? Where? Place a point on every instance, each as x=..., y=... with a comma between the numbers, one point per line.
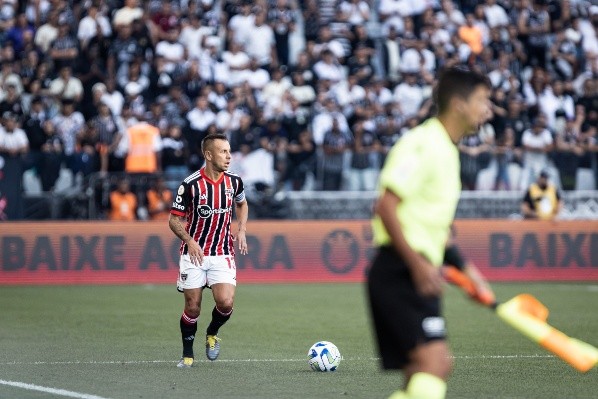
x=123, y=342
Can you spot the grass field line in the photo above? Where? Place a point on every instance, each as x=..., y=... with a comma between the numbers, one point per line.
x=39, y=388
x=350, y=359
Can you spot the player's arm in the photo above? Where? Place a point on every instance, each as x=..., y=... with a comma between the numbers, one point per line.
x=426, y=277
x=177, y=226
x=242, y=212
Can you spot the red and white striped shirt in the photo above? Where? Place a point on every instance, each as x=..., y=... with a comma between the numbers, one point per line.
x=208, y=206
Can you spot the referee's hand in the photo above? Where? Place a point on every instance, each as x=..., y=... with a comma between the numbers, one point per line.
x=427, y=278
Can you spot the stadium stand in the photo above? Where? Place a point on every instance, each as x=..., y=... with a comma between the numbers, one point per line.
x=278, y=77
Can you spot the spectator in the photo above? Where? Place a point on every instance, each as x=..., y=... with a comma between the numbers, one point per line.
x=123, y=49
x=262, y=45
x=134, y=72
x=113, y=98
x=472, y=35
x=240, y=25
x=587, y=168
x=86, y=157
x=557, y=105
x=229, y=118
x=171, y=50
x=13, y=140
x=47, y=33
x=505, y=161
x=159, y=200
x=496, y=16
x=64, y=50
x=52, y=153
x=8, y=77
x=12, y=101
x=365, y=163
x=361, y=66
x=175, y=154
x=69, y=124
x=199, y=118
x=409, y=94
x=192, y=35
x=33, y=127
x=143, y=145
x=123, y=202
x=66, y=86
x=20, y=35
x=542, y=200
x=301, y=162
x=534, y=26
x=356, y=12
x=110, y=131
x=94, y=24
x=237, y=61
x=474, y=152
x=324, y=120
x=568, y=151
x=282, y=20
x=336, y=145
x=245, y=139
x=565, y=53
x=328, y=68
x=164, y=21
x=127, y=14
x=537, y=142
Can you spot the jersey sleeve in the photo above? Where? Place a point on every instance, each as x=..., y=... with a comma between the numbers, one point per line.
x=405, y=168
x=240, y=193
x=182, y=201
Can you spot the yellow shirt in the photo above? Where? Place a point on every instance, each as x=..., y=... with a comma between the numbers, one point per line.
x=422, y=169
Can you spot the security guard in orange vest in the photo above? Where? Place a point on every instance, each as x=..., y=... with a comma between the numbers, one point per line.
x=144, y=145
x=123, y=203
x=542, y=200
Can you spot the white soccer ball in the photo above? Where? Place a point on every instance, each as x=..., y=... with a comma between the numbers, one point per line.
x=323, y=356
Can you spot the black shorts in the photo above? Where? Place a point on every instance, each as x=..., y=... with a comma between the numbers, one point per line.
x=402, y=318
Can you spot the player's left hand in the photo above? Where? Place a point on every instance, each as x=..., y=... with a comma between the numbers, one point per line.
x=241, y=242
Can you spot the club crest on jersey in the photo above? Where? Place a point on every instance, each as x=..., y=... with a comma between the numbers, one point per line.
x=229, y=192
x=181, y=190
x=206, y=211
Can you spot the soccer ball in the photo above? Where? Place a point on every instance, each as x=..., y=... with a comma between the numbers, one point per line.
x=323, y=356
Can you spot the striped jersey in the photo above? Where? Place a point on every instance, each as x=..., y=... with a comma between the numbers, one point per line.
x=208, y=207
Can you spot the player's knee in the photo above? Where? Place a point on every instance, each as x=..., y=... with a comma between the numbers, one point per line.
x=192, y=308
x=225, y=305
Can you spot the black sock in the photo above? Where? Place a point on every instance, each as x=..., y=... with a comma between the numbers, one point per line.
x=188, y=329
x=218, y=319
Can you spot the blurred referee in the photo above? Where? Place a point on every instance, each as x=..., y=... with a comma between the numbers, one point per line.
x=419, y=189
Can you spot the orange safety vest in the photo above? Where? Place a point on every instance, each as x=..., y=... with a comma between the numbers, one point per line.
x=154, y=199
x=123, y=206
x=141, y=157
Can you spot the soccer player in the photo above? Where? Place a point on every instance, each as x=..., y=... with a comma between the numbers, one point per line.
x=419, y=188
x=201, y=216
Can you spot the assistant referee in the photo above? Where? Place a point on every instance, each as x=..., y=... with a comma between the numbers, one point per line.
x=419, y=188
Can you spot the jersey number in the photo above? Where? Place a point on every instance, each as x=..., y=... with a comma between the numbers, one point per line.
x=231, y=263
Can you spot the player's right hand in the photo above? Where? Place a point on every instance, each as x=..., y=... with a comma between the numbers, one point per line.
x=195, y=252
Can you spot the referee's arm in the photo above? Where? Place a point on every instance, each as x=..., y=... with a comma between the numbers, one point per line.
x=426, y=277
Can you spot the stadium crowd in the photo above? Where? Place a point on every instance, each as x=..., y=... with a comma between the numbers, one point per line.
x=311, y=93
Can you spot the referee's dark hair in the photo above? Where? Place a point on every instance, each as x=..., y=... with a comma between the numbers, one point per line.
x=457, y=82
x=210, y=138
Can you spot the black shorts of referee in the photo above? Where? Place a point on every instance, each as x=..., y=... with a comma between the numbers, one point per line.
x=402, y=317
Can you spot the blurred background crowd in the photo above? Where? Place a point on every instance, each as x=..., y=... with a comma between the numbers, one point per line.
x=311, y=93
